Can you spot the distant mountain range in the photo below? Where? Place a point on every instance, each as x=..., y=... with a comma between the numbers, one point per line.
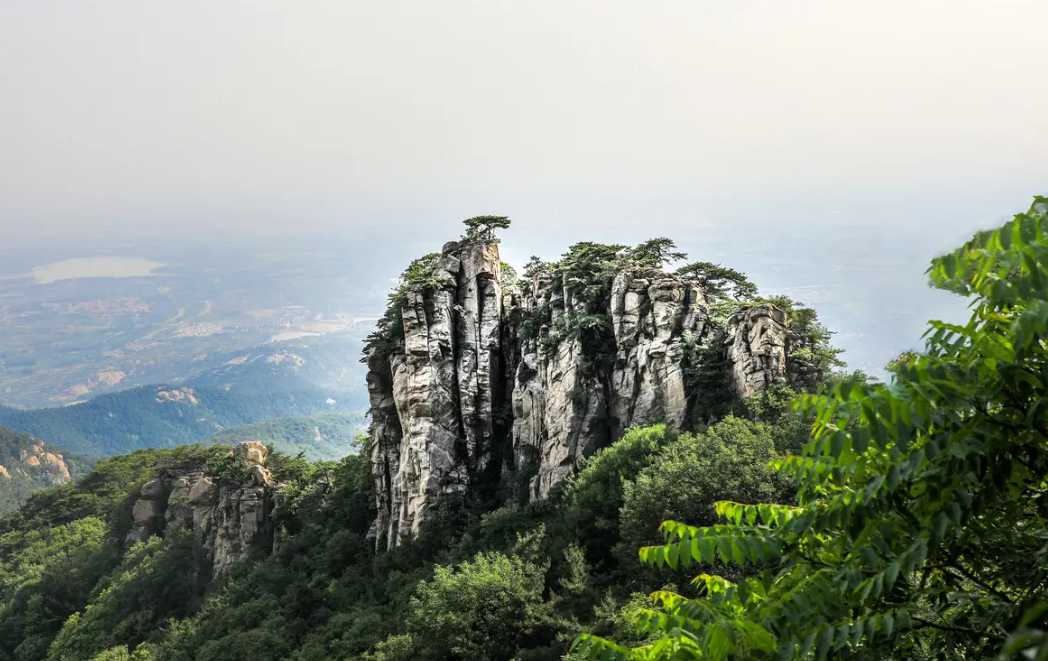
x=324, y=436
x=326, y=363
x=161, y=416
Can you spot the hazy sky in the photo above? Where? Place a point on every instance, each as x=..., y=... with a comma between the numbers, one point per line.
x=324, y=114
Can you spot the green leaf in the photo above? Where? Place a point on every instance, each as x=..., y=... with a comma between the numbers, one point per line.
x=825, y=643
x=891, y=573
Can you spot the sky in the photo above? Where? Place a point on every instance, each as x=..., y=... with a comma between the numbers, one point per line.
x=572, y=116
x=827, y=148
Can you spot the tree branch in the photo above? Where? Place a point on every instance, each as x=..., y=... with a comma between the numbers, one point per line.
x=952, y=629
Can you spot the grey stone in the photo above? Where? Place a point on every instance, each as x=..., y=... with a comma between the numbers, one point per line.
x=463, y=386
x=231, y=522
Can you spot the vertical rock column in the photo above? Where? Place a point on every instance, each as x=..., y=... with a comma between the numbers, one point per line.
x=443, y=388
x=756, y=340
x=559, y=408
x=478, y=333
x=386, y=435
x=653, y=316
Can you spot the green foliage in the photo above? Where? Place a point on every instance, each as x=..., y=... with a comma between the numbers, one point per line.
x=707, y=376
x=482, y=228
x=595, y=496
x=113, y=654
x=534, y=266
x=508, y=276
x=120, y=653
x=903, y=361
x=46, y=575
x=812, y=354
x=482, y=610
x=729, y=461
x=158, y=580
x=587, y=270
x=718, y=282
x=656, y=253
x=922, y=522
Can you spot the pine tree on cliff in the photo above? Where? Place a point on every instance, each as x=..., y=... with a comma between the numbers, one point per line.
x=483, y=228
x=656, y=253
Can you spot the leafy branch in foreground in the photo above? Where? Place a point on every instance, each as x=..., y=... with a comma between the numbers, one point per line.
x=922, y=525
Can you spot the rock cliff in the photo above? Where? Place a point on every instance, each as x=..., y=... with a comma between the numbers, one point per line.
x=231, y=521
x=28, y=465
x=485, y=379
x=36, y=461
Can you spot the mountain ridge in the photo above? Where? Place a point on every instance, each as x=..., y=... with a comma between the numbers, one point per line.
x=158, y=416
x=471, y=380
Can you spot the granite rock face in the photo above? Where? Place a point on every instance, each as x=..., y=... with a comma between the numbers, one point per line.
x=38, y=462
x=558, y=406
x=757, y=340
x=231, y=522
x=476, y=388
x=433, y=422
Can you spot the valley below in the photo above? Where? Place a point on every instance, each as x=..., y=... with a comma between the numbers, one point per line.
x=78, y=327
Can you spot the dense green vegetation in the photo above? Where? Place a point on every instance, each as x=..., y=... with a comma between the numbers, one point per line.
x=30, y=465
x=518, y=580
x=65, y=546
x=143, y=417
x=847, y=520
x=324, y=436
x=921, y=528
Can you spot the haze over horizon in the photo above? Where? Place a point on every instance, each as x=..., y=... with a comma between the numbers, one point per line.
x=323, y=117
x=829, y=149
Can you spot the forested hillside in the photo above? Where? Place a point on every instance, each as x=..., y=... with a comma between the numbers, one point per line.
x=324, y=436
x=158, y=416
x=28, y=464
x=825, y=517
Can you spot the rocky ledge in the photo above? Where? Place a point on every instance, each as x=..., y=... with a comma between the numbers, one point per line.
x=230, y=521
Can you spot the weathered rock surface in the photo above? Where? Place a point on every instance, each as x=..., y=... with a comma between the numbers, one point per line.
x=652, y=318
x=467, y=394
x=559, y=408
x=231, y=522
x=756, y=340
x=37, y=462
x=432, y=402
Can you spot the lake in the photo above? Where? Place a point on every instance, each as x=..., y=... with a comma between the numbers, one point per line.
x=95, y=267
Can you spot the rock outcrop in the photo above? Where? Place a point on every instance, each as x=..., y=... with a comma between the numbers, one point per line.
x=39, y=463
x=433, y=400
x=230, y=521
x=479, y=384
x=28, y=465
x=564, y=412
x=756, y=340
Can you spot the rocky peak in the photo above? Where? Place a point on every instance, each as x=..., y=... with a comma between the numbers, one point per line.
x=484, y=381
x=35, y=460
x=433, y=398
x=230, y=520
